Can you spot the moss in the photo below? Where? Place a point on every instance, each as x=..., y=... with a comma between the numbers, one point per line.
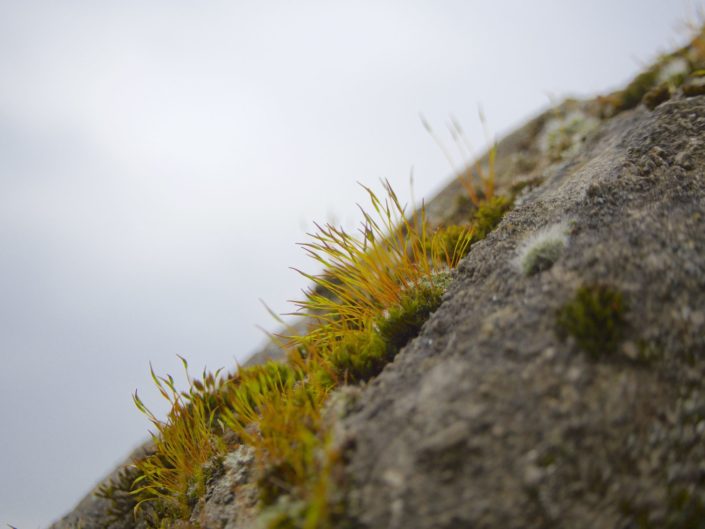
x=374, y=295
x=403, y=322
x=272, y=481
x=453, y=241
x=694, y=89
x=117, y=491
x=488, y=216
x=632, y=95
x=595, y=319
x=360, y=355
x=657, y=95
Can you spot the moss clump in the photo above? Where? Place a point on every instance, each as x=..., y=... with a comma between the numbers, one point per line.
x=118, y=491
x=632, y=95
x=360, y=355
x=657, y=95
x=595, y=318
x=374, y=295
x=403, y=322
x=488, y=216
x=694, y=89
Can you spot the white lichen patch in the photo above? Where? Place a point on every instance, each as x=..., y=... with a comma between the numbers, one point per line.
x=563, y=134
x=540, y=250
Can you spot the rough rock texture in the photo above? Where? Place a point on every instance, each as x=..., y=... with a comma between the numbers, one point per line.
x=231, y=499
x=489, y=419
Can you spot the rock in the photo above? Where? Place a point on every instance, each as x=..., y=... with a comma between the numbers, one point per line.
x=607, y=443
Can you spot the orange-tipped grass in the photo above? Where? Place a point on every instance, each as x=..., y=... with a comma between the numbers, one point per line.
x=475, y=173
x=279, y=415
x=183, y=444
x=367, y=274
x=478, y=183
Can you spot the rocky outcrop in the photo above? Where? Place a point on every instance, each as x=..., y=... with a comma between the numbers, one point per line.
x=491, y=418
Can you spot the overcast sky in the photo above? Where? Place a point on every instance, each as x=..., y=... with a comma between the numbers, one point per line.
x=159, y=160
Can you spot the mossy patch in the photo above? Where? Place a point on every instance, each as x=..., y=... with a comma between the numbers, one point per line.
x=594, y=317
x=489, y=215
x=632, y=95
x=403, y=322
x=657, y=95
x=694, y=89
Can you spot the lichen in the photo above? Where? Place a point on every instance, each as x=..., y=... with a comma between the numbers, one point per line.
x=540, y=251
x=563, y=133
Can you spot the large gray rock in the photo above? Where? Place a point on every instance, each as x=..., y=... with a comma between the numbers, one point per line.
x=490, y=419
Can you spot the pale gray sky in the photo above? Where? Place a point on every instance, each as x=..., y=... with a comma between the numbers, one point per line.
x=158, y=161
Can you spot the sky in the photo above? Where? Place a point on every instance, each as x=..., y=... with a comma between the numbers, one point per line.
x=160, y=160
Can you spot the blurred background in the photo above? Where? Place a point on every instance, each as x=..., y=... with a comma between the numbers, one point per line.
x=159, y=160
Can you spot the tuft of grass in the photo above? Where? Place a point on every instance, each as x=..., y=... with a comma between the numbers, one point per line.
x=479, y=183
x=118, y=492
x=595, y=319
x=173, y=476
x=366, y=274
x=377, y=288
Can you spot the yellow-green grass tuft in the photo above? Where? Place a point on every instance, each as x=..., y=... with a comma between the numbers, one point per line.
x=377, y=289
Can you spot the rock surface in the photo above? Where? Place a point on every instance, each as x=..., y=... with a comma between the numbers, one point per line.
x=489, y=419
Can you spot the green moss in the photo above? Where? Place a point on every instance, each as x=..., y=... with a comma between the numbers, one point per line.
x=360, y=355
x=632, y=95
x=595, y=318
x=403, y=322
x=118, y=492
x=693, y=89
x=657, y=95
x=488, y=216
